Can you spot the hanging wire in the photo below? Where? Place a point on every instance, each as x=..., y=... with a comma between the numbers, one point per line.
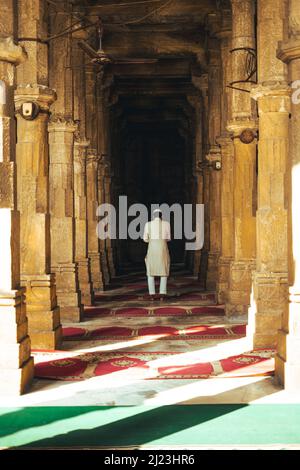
x=250, y=68
x=91, y=24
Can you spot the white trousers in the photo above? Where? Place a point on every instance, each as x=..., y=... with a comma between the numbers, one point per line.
x=162, y=287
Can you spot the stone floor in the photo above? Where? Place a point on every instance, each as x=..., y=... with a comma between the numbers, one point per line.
x=119, y=389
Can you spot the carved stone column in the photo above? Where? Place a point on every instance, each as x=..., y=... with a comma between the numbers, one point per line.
x=33, y=179
x=61, y=140
x=227, y=239
x=273, y=98
x=61, y=136
x=92, y=205
x=103, y=150
x=227, y=157
x=107, y=192
x=243, y=125
x=80, y=187
x=16, y=365
x=92, y=178
x=287, y=363
x=197, y=179
x=101, y=200
x=202, y=85
x=213, y=156
x=80, y=191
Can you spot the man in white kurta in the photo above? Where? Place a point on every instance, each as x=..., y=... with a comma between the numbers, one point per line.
x=157, y=233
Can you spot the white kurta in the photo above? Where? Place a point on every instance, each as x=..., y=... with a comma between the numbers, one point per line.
x=157, y=233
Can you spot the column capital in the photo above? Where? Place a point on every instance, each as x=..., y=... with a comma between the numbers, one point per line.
x=39, y=94
x=61, y=123
x=10, y=52
x=201, y=82
x=224, y=35
x=214, y=154
x=224, y=140
x=237, y=126
x=92, y=156
x=279, y=94
x=289, y=50
x=241, y=2
x=81, y=142
x=80, y=146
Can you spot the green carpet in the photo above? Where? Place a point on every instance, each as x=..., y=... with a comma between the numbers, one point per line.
x=137, y=425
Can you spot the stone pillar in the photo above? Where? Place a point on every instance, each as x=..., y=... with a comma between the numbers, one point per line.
x=101, y=200
x=61, y=135
x=81, y=254
x=80, y=188
x=197, y=179
x=287, y=363
x=202, y=85
x=227, y=239
x=107, y=192
x=61, y=140
x=213, y=156
x=273, y=98
x=33, y=179
x=16, y=365
x=242, y=128
x=92, y=204
x=227, y=157
x=92, y=178
x=103, y=150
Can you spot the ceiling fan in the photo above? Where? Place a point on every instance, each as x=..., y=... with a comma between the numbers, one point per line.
x=99, y=57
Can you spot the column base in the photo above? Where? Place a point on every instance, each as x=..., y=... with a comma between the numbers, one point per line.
x=212, y=271
x=96, y=272
x=16, y=365
x=270, y=294
x=240, y=285
x=287, y=374
x=223, y=279
x=85, y=285
x=16, y=381
x=42, y=311
x=68, y=293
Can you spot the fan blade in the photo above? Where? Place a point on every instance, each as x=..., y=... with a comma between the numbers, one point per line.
x=88, y=49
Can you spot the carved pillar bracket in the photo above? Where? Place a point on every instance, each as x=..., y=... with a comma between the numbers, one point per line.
x=34, y=93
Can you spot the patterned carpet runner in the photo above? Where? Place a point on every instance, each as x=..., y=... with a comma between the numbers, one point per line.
x=149, y=365
x=201, y=332
x=124, y=313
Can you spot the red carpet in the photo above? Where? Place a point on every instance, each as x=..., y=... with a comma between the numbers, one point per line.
x=124, y=297
x=154, y=311
x=150, y=365
x=201, y=332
